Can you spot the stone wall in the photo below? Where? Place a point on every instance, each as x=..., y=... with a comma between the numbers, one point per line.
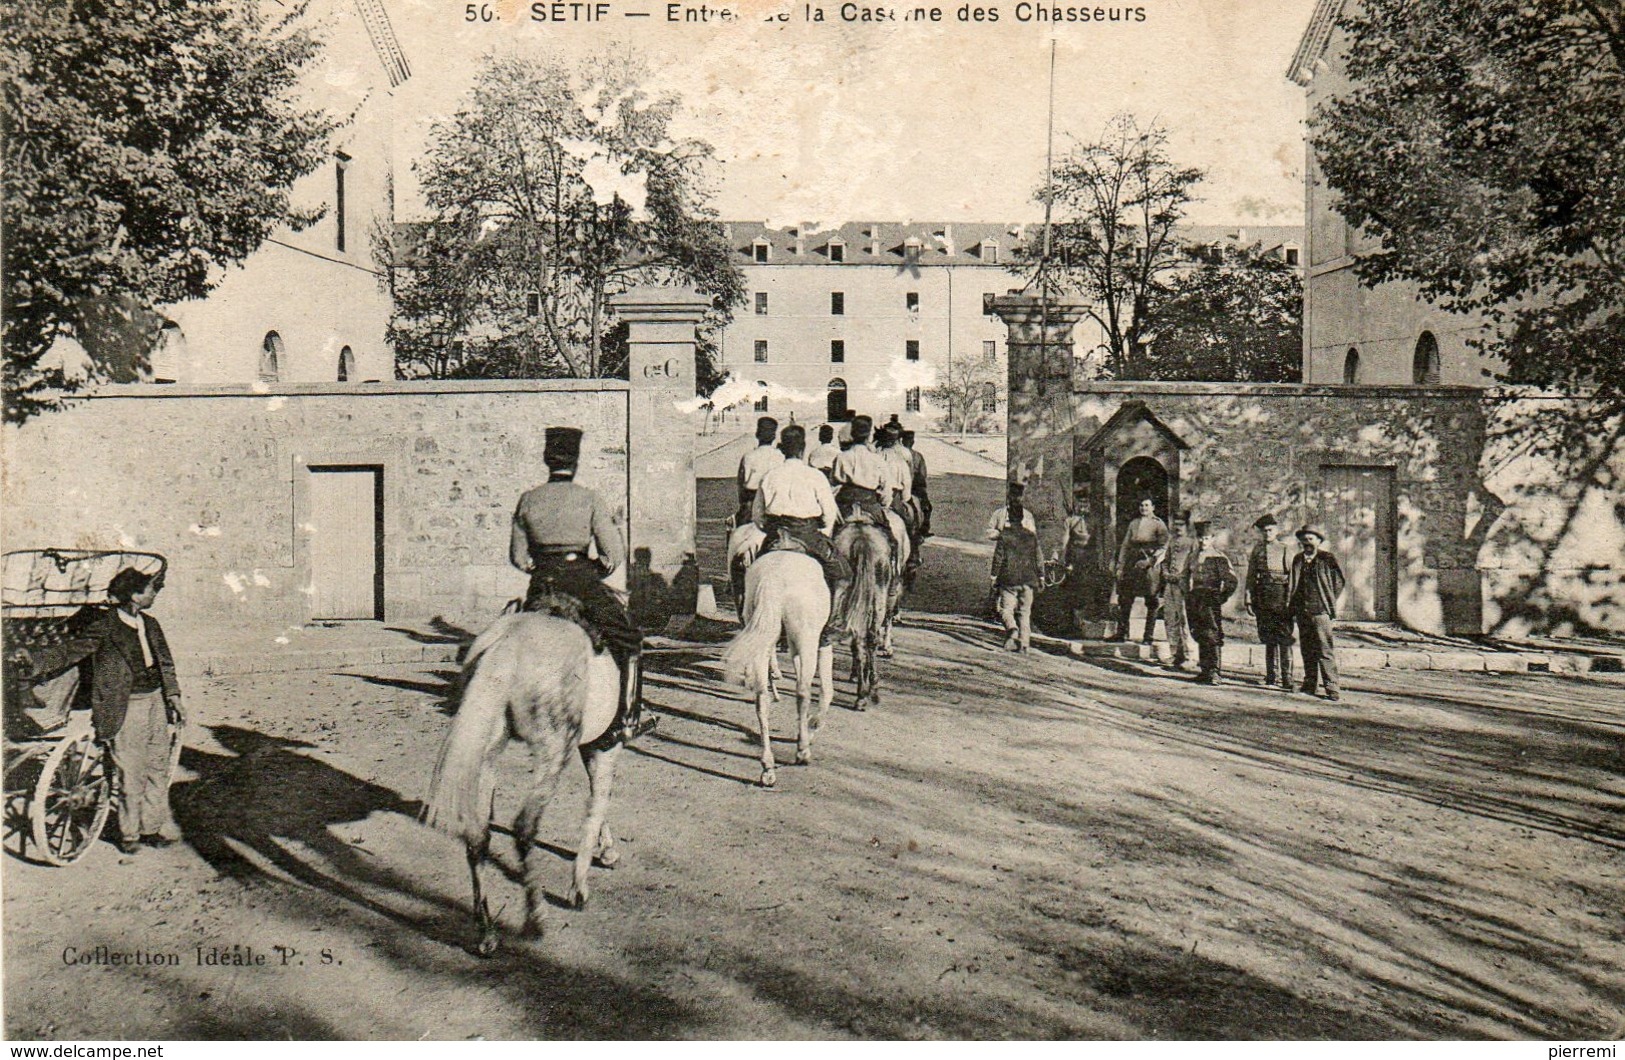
x=1489, y=533
x=217, y=480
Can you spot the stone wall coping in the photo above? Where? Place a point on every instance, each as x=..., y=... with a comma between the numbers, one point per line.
x=383, y=388
x=1460, y=393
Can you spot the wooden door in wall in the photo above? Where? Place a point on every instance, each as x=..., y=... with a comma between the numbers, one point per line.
x=346, y=542
x=1357, y=509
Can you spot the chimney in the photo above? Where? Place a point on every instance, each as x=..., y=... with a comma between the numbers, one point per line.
x=874, y=240
x=948, y=240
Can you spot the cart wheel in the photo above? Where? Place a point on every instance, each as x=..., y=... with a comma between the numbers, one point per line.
x=71, y=801
x=23, y=767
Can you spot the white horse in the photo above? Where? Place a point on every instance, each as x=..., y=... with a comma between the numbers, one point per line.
x=785, y=595
x=532, y=677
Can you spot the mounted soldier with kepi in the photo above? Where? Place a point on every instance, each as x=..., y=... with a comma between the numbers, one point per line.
x=552, y=529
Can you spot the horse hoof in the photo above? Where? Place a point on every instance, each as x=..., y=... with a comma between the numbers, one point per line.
x=578, y=900
x=487, y=946
x=884, y=653
x=534, y=928
x=803, y=758
x=769, y=778
x=607, y=859
x=859, y=706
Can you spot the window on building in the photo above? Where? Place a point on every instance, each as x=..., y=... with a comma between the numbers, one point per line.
x=273, y=356
x=761, y=400
x=1292, y=256
x=533, y=304
x=837, y=251
x=1351, y=367
x=990, y=252
x=346, y=365
x=837, y=304
x=837, y=351
x=990, y=350
x=836, y=409
x=990, y=397
x=911, y=349
x=339, y=206
x=759, y=250
x=1425, y=365
x=911, y=251
x=912, y=301
x=911, y=399
x=761, y=303
x=987, y=303
x=761, y=351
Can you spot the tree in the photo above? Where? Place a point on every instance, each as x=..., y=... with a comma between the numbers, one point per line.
x=1480, y=148
x=962, y=390
x=1238, y=320
x=1119, y=202
x=551, y=189
x=148, y=143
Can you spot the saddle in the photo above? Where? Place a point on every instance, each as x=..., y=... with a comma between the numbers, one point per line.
x=784, y=541
x=562, y=605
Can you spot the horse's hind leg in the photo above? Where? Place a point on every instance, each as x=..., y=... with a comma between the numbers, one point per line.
x=487, y=945
x=826, y=684
x=548, y=754
x=600, y=779
x=764, y=722
x=804, y=680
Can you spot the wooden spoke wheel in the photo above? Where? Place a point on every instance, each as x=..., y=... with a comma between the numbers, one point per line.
x=71, y=800
x=23, y=766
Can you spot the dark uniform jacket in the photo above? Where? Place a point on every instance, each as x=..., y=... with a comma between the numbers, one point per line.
x=117, y=667
x=1327, y=577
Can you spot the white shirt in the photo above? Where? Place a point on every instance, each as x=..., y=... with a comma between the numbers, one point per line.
x=140, y=627
x=899, y=470
x=860, y=466
x=1001, y=519
x=823, y=457
x=794, y=489
x=756, y=463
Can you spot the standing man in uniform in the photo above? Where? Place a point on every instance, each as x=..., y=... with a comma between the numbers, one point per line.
x=795, y=502
x=1269, y=573
x=756, y=463
x=552, y=528
x=823, y=457
x=918, y=484
x=1313, y=587
x=1017, y=568
x=1209, y=582
x=1171, y=566
x=1136, y=574
x=860, y=475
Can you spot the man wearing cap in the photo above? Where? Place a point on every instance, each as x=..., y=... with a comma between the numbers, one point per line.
x=859, y=475
x=1017, y=570
x=1210, y=580
x=897, y=488
x=1313, y=587
x=918, y=484
x=552, y=528
x=1136, y=560
x=1269, y=570
x=756, y=463
x=823, y=457
x=795, y=502
x=1171, y=566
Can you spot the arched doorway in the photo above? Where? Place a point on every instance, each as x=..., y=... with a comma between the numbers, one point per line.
x=272, y=355
x=346, y=364
x=835, y=405
x=1139, y=478
x=1351, y=367
x=1425, y=363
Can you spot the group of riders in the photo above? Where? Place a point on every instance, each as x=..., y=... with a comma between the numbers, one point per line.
x=565, y=538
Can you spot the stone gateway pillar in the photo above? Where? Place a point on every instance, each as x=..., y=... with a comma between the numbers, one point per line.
x=663, y=578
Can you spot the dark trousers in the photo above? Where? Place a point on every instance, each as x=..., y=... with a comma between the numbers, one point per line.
x=1319, y=653
x=747, y=501
x=1207, y=629
x=924, y=500
x=809, y=534
x=1126, y=595
x=579, y=579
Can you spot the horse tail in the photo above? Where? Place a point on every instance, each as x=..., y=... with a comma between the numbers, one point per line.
x=865, y=607
x=462, y=786
x=748, y=658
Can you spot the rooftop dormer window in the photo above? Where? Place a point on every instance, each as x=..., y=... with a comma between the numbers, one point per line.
x=911, y=250
x=761, y=250
x=990, y=252
x=837, y=251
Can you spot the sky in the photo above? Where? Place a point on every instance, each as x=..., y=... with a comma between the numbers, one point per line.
x=909, y=121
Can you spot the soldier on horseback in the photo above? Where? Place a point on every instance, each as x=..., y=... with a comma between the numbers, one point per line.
x=898, y=491
x=552, y=528
x=796, y=509
x=860, y=475
x=756, y=463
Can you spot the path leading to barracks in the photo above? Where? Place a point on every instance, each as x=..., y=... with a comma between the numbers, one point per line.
x=1008, y=847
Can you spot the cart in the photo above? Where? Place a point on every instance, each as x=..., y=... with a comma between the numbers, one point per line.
x=59, y=780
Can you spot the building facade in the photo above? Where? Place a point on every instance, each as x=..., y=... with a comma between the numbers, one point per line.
x=1382, y=336
x=311, y=306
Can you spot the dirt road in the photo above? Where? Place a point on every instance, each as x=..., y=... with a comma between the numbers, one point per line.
x=1008, y=847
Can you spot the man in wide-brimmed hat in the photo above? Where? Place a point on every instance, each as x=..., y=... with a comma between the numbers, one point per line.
x=1313, y=587
x=552, y=528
